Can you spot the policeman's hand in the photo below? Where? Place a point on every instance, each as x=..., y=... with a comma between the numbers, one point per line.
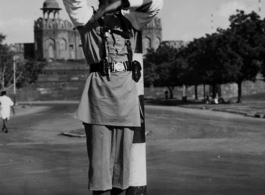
x=107, y=7
x=113, y=5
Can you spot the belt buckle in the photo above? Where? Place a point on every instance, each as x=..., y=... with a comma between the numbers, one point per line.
x=118, y=67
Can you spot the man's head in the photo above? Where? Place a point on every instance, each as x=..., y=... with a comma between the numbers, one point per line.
x=101, y=2
x=3, y=93
x=107, y=7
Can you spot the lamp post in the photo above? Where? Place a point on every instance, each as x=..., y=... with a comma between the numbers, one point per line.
x=212, y=24
x=14, y=77
x=260, y=8
x=138, y=175
x=184, y=96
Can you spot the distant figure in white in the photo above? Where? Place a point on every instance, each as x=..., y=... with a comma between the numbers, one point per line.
x=215, y=100
x=6, y=104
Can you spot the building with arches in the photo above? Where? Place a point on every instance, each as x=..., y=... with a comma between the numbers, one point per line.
x=55, y=38
x=57, y=41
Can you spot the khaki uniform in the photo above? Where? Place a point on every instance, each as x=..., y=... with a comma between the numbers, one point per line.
x=109, y=105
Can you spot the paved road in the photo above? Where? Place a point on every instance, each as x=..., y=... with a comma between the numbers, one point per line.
x=189, y=152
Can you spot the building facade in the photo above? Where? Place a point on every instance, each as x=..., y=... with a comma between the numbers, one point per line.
x=57, y=41
x=176, y=43
x=23, y=50
x=55, y=38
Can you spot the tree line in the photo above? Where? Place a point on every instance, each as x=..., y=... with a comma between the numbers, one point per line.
x=231, y=55
x=26, y=72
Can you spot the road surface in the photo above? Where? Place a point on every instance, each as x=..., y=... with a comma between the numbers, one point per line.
x=189, y=152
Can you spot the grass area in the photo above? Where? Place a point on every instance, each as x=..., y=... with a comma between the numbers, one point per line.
x=252, y=104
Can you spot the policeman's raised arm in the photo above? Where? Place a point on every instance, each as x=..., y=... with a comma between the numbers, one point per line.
x=78, y=11
x=107, y=7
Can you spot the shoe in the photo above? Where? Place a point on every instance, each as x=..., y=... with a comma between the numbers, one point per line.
x=116, y=191
x=101, y=192
x=6, y=131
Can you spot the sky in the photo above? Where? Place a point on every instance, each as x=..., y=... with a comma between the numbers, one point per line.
x=181, y=19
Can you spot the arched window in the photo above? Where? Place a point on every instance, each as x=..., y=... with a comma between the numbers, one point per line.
x=62, y=24
x=63, y=44
x=50, y=46
x=72, y=52
x=146, y=44
x=157, y=43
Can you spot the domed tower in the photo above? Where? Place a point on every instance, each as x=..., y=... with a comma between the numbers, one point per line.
x=55, y=38
x=50, y=6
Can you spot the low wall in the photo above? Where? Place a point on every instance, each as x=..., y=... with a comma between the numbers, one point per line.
x=72, y=90
x=228, y=90
x=50, y=91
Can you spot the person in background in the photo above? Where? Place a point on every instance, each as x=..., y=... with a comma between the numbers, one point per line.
x=221, y=100
x=207, y=100
x=166, y=94
x=6, y=104
x=216, y=98
x=109, y=106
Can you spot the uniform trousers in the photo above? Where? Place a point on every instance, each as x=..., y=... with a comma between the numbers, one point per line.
x=109, y=154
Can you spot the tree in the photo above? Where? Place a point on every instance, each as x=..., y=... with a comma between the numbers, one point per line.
x=164, y=67
x=3, y=48
x=149, y=68
x=232, y=55
x=194, y=71
x=202, y=62
x=247, y=32
x=26, y=71
x=262, y=51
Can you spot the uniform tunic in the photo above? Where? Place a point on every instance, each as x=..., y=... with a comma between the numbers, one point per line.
x=108, y=102
x=113, y=102
x=109, y=108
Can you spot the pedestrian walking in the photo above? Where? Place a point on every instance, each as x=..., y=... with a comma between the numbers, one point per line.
x=109, y=106
x=6, y=105
x=166, y=94
x=215, y=100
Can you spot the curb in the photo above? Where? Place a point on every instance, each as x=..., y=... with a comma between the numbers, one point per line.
x=256, y=115
x=229, y=111
x=250, y=115
x=73, y=135
x=253, y=115
x=259, y=116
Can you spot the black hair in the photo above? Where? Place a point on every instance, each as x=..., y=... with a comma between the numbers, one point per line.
x=3, y=93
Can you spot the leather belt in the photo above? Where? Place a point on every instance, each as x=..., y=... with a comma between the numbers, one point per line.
x=114, y=67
